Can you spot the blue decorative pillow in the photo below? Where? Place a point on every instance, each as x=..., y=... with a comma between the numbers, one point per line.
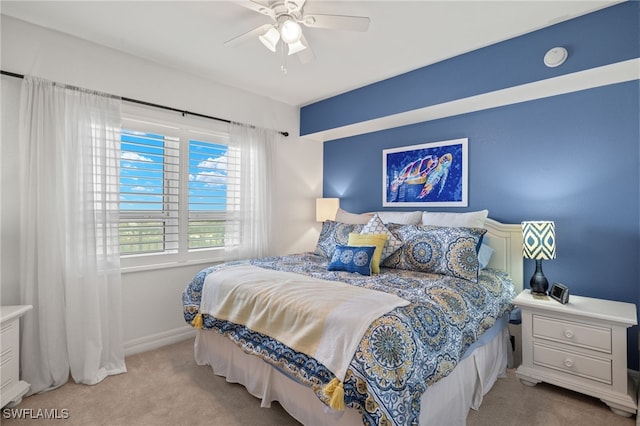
x=484, y=255
x=439, y=250
x=334, y=233
x=352, y=259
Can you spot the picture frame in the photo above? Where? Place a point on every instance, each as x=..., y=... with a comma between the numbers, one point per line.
x=430, y=174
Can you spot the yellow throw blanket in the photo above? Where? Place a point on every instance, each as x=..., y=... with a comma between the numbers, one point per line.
x=323, y=319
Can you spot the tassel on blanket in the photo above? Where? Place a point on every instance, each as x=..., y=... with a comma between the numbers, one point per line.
x=197, y=321
x=335, y=391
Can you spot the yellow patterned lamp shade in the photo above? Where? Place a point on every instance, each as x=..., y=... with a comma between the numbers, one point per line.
x=539, y=240
x=326, y=208
x=539, y=243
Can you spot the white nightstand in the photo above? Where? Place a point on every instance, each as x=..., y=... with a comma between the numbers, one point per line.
x=12, y=388
x=581, y=346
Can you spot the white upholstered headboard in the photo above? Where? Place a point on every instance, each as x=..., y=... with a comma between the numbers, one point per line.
x=506, y=240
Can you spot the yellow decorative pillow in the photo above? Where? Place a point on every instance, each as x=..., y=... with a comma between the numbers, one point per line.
x=377, y=240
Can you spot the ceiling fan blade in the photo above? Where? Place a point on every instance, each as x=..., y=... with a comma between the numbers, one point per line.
x=254, y=33
x=337, y=22
x=257, y=6
x=305, y=56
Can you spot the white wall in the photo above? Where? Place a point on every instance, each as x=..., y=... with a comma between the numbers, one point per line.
x=152, y=307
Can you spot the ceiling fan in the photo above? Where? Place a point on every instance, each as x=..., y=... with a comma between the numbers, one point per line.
x=285, y=32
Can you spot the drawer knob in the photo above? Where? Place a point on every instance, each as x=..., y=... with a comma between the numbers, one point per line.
x=568, y=334
x=568, y=363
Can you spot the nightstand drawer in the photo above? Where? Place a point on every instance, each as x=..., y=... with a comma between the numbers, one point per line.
x=573, y=333
x=12, y=389
x=8, y=357
x=569, y=362
x=8, y=340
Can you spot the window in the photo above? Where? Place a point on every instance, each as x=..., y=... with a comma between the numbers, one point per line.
x=149, y=178
x=209, y=193
x=177, y=189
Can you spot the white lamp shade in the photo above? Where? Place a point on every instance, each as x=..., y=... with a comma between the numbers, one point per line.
x=290, y=31
x=326, y=208
x=538, y=240
x=296, y=47
x=270, y=39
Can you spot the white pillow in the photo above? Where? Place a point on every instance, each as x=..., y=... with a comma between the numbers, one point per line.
x=352, y=218
x=402, y=218
x=469, y=219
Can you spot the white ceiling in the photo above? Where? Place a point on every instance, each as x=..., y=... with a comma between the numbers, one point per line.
x=403, y=36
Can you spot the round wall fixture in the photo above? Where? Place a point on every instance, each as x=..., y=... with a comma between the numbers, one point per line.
x=555, y=57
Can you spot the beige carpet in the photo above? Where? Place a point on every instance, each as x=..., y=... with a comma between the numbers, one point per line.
x=166, y=387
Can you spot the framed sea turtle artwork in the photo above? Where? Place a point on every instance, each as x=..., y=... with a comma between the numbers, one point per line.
x=429, y=174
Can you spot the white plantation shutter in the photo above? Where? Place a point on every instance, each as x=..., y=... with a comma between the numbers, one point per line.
x=149, y=190
x=233, y=229
x=213, y=189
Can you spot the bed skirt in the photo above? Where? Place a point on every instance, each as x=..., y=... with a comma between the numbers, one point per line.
x=445, y=403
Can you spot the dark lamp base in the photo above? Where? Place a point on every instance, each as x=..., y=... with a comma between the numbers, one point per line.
x=539, y=283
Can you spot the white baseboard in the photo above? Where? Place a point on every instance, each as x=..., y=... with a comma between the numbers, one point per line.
x=158, y=340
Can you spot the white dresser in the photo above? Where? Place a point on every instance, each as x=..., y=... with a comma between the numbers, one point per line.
x=580, y=346
x=12, y=389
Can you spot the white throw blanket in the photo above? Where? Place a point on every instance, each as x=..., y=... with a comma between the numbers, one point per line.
x=322, y=319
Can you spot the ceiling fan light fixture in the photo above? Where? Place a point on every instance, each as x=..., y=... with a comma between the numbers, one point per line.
x=287, y=18
x=290, y=31
x=296, y=47
x=270, y=39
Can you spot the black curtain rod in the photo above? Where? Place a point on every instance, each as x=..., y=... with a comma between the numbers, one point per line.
x=135, y=101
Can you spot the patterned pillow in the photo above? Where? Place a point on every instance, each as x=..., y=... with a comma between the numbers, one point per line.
x=377, y=240
x=439, y=250
x=352, y=259
x=376, y=226
x=332, y=234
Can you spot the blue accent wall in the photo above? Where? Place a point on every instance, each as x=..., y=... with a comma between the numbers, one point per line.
x=572, y=158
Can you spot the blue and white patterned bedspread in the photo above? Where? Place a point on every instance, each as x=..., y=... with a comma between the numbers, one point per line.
x=403, y=351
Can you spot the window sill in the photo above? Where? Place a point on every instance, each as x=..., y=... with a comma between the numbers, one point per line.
x=169, y=265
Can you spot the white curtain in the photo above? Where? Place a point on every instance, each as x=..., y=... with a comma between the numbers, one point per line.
x=250, y=200
x=69, y=253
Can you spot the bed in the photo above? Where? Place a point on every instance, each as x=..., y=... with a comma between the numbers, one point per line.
x=452, y=330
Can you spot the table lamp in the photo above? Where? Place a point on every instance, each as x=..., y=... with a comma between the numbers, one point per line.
x=326, y=208
x=539, y=243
